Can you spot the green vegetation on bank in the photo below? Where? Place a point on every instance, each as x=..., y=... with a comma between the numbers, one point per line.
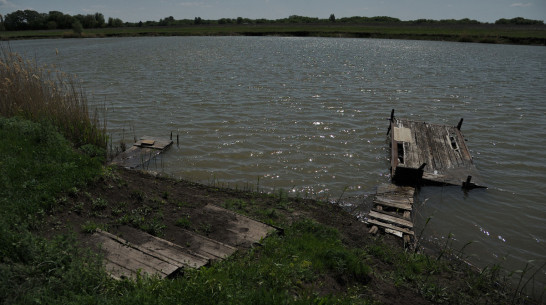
x=45, y=94
x=528, y=35
x=31, y=24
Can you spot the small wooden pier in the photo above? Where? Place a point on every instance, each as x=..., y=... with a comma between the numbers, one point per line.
x=131, y=251
x=391, y=211
x=430, y=154
x=421, y=154
x=142, y=152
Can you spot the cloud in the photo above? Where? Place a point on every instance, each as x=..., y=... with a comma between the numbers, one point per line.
x=6, y=3
x=519, y=4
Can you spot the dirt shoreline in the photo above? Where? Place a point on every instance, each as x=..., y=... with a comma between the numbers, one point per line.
x=157, y=204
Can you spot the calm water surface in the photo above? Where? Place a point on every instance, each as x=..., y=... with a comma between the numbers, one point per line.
x=309, y=115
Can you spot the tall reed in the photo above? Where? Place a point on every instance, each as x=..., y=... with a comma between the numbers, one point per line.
x=46, y=94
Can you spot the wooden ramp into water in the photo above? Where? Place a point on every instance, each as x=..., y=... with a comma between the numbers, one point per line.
x=131, y=251
x=423, y=153
x=391, y=211
x=141, y=152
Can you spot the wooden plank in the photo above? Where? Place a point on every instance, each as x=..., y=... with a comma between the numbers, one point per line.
x=392, y=203
x=387, y=188
x=396, y=197
x=403, y=134
x=120, y=253
x=157, y=143
x=204, y=246
x=394, y=150
x=395, y=214
x=390, y=226
x=243, y=228
x=163, y=249
x=388, y=218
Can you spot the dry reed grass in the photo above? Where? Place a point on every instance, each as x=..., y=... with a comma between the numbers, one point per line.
x=45, y=94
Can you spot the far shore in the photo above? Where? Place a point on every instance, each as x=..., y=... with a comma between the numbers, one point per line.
x=477, y=33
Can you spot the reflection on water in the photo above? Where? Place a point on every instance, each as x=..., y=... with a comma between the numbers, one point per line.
x=309, y=115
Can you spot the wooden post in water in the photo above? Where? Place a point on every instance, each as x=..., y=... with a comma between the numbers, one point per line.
x=390, y=121
x=467, y=184
x=460, y=124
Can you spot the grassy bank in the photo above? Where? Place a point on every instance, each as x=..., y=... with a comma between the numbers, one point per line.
x=50, y=195
x=484, y=33
x=54, y=192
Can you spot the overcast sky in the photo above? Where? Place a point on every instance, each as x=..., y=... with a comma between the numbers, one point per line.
x=143, y=10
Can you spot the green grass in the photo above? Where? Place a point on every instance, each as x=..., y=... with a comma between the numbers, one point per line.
x=521, y=34
x=37, y=165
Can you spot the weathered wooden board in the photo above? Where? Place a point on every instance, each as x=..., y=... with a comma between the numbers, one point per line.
x=141, y=152
x=402, y=203
x=393, y=188
x=155, y=143
x=204, y=246
x=391, y=219
x=390, y=226
x=166, y=250
x=244, y=229
x=123, y=259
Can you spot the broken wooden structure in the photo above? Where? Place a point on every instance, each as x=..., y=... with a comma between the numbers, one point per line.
x=391, y=211
x=131, y=251
x=421, y=154
x=430, y=154
x=142, y=152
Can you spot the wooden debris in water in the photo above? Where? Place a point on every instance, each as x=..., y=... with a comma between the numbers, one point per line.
x=141, y=152
x=391, y=211
x=423, y=153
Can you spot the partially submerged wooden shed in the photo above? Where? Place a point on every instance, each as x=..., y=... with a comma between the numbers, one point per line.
x=423, y=153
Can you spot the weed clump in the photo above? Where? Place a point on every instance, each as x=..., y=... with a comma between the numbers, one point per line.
x=43, y=94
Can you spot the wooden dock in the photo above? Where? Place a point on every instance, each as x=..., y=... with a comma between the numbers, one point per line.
x=130, y=251
x=142, y=152
x=430, y=154
x=421, y=154
x=391, y=211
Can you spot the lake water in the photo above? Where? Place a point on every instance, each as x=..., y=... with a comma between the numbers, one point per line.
x=309, y=115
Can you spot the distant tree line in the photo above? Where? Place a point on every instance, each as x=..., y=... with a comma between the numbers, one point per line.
x=32, y=20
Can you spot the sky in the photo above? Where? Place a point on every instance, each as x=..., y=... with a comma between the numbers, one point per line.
x=144, y=10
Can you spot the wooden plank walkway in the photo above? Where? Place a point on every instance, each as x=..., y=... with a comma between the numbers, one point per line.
x=423, y=153
x=391, y=211
x=245, y=231
x=132, y=251
x=142, y=152
x=154, y=257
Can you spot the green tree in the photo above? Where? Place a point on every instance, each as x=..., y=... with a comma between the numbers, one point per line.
x=63, y=21
x=115, y=22
x=25, y=20
x=100, y=20
x=77, y=27
x=332, y=18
